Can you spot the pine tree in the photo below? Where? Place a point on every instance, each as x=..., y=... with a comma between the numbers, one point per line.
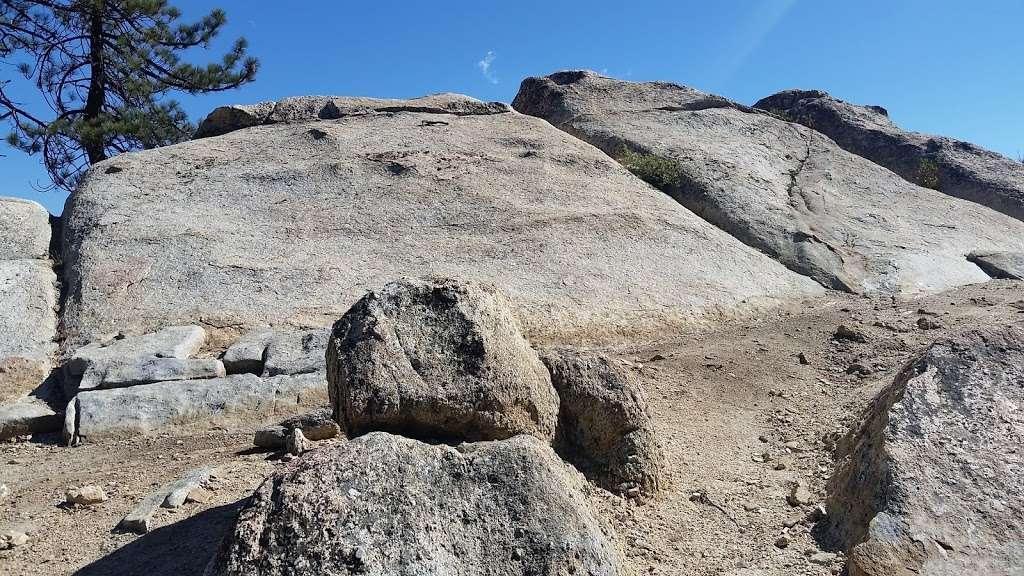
x=105, y=69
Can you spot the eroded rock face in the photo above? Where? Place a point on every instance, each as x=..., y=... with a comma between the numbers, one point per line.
x=953, y=167
x=501, y=508
x=441, y=359
x=932, y=482
x=778, y=186
x=288, y=224
x=604, y=428
x=28, y=298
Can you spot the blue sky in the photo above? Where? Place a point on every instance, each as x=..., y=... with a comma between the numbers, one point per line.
x=947, y=67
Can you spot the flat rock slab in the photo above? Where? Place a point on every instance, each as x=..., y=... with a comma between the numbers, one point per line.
x=951, y=166
x=150, y=370
x=28, y=323
x=169, y=342
x=171, y=495
x=399, y=506
x=932, y=482
x=24, y=230
x=1008, y=265
x=289, y=224
x=241, y=401
x=296, y=352
x=23, y=418
x=778, y=186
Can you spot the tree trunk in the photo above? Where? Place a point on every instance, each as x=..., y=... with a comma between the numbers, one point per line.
x=93, y=143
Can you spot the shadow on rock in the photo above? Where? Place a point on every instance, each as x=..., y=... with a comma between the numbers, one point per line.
x=184, y=547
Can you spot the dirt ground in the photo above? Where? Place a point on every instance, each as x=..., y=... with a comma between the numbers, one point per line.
x=740, y=416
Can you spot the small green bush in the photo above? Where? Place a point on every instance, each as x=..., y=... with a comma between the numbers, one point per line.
x=927, y=174
x=662, y=173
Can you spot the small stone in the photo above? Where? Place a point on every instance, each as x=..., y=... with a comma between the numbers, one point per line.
x=296, y=443
x=802, y=358
x=4, y=491
x=793, y=446
x=817, y=513
x=780, y=466
x=271, y=437
x=928, y=324
x=13, y=539
x=782, y=542
x=799, y=495
x=822, y=558
x=844, y=332
x=86, y=495
x=859, y=369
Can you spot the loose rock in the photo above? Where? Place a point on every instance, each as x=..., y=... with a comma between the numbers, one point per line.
x=86, y=495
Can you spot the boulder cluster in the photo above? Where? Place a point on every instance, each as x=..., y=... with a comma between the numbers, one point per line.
x=402, y=294
x=454, y=467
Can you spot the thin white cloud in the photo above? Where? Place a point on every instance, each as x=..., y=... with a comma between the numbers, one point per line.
x=485, y=67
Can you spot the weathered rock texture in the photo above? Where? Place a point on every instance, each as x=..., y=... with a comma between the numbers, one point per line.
x=288, y=224
x=1008, y=265
x=394, y=505
x=932, y=482
x=235, y=402
x=441, y=359
x=28, y=298
x=951, y=166
x=778, y=186
x=24, y=230
x=603, y=425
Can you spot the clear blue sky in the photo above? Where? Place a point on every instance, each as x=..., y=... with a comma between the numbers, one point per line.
x=947, y=67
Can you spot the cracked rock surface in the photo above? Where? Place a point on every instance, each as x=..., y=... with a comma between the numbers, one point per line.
x=288, y=224
x=961, y=169
x=779, y=186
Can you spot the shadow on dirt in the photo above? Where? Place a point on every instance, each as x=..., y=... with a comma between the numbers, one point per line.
x=184, y=547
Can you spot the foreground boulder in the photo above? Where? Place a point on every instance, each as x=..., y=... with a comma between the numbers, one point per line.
x=383, y=504
x=603, y=425
x=441, y=359
x=288, y=224
x=932, y=482
x=28, y=298
x=778, y=186
x=236, y=402
x=951, y=166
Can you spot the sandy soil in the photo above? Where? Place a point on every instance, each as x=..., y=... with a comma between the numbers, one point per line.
x=731, y=404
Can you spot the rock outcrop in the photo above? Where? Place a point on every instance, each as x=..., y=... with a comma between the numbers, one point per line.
x=28, y=298
x=288, y=224
x=603, y=425
x=395, y=505
x=438, y=359
x=953, y=167
x=778, y=186
x=932, y=482
x=28, y=319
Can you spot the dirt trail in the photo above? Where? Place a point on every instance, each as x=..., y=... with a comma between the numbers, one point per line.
x=721, y=399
